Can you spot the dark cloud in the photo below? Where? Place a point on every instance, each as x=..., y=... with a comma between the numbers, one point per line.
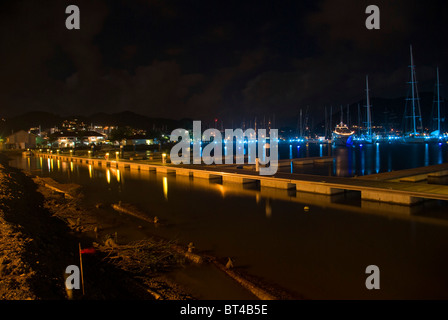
x=209, y=59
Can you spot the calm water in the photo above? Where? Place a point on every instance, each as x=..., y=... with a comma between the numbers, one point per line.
x=321, y=253
x=358, y=160
x=366, y=159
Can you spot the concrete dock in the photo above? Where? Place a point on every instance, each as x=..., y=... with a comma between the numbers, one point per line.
x=393, y=187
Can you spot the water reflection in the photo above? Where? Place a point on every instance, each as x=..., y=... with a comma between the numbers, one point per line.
x=365, y=159
x=165, y=188
x=377, y=158
x=303, y=243
x=268, y=209
x=389, y=162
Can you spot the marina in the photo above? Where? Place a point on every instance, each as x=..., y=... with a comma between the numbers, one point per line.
x=223, y=151
x=300, y=220
x=383, y=191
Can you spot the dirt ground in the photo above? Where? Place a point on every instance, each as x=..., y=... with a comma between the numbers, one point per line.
x=41, y=229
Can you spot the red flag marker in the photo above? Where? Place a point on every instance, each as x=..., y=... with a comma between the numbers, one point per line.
x=88, y=250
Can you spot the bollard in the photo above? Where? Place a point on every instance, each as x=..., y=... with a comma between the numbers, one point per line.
x=257, y=164
x=163, y=158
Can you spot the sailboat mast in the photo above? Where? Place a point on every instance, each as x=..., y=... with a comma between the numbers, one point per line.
x=413, y=93
x=342, y=114
x=359, y=120
x=326, y=123
x=348, y=115
x=438, y=102
x=331, y=118
x=369, y=127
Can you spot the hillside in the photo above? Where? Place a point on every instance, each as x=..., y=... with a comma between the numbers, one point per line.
x=48, y=120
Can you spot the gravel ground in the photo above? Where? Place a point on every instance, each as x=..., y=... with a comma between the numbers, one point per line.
x=40, y=233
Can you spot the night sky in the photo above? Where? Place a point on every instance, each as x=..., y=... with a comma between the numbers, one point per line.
x=214, y=59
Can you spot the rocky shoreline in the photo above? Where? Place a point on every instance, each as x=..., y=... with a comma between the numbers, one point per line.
x=40, y=233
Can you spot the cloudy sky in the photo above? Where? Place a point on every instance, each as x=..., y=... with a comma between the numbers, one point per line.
x=213, y=59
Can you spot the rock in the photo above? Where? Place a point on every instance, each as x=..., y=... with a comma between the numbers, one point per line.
x=110, y=243
x=229, y=264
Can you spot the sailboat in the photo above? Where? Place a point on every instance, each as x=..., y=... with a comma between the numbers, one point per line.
x=413, y=134
x=436, y=135
x=367, y=137
x=342, y=135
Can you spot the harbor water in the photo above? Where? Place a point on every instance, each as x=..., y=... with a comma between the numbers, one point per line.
x=313, y=245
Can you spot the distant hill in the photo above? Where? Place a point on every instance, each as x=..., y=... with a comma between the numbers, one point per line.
x=29, y=120
x=129, y=118
x=126, y=118
x=388, y=113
